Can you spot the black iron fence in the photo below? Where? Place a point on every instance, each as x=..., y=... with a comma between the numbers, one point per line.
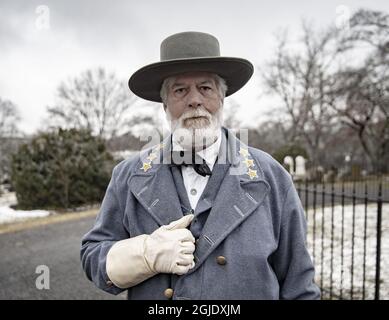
x=348, y=237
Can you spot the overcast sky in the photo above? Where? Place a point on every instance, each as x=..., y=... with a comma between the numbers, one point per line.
x=123, y=36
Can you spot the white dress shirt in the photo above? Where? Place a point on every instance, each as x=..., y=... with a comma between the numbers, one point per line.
x=194, y=182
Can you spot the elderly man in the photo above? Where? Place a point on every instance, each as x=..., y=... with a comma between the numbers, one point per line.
x=201, y=215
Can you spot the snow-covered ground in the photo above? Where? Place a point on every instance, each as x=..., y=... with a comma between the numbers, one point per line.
x=356, y=252
x=8, y=215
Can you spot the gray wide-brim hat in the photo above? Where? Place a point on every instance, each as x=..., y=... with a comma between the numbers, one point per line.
x=189, y=52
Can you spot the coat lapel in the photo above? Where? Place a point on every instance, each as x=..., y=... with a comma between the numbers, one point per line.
x=153, y=186
x=240, y=193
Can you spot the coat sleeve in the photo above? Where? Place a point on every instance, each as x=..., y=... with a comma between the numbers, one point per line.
x=292, y=262
x=107, y=230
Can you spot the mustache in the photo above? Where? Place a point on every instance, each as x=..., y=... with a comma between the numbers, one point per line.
x=195, y=114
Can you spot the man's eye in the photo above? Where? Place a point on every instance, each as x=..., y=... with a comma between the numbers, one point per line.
x=205, y=88
x=179, y=90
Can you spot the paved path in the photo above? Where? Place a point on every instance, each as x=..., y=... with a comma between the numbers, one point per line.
x=56, y=245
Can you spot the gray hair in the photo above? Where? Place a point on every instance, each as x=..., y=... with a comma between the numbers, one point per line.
x=220, y=83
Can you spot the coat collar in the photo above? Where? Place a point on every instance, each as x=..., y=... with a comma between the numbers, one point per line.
x=243, y=189
x=209, y=154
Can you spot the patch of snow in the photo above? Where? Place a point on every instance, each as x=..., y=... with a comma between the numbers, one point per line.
x=348, y=262
x=8, y=215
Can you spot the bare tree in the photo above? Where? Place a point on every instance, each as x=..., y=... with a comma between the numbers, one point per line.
x=95, y=100
x=369, y=27
x=300, y=79
x=362, y=92
x=338, y=79
x=9, y=117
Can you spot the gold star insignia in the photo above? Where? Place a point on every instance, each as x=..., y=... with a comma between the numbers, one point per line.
x=146, y=166
x=252, y=173
x=248, y=162
x=244, y=152
x=152, y=156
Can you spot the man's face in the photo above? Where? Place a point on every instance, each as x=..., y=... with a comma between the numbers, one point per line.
x=193, y=98
x=194, y=108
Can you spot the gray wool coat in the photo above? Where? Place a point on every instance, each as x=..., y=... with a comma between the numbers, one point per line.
x=256, y=223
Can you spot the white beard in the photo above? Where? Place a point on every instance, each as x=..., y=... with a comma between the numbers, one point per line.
x=197, y=134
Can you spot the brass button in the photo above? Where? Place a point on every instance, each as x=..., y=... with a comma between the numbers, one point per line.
x=168, y=293
x=109, y=283
x=221, y=260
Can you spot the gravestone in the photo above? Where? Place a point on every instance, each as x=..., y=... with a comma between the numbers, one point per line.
x=300, y=166
x=288, y=161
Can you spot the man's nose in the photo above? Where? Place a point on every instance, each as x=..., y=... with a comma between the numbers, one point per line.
x=194, y=99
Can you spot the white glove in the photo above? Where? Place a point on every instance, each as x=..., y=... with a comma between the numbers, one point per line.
x=170, y=248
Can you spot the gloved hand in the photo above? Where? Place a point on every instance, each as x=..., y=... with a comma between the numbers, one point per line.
x=170, y=248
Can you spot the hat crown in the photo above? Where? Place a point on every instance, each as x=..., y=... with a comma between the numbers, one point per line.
x=187, y=45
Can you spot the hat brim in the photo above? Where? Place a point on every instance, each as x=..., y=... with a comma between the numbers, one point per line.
x=147, y=81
